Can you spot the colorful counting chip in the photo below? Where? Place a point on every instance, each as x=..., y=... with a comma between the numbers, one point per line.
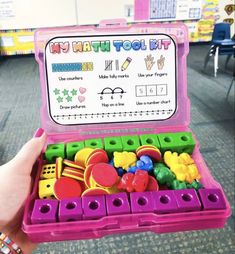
x=152, y=184
x=97, y=156
x=92, y=183
x=67, y=188
x=82, y=155
x=48, y=171
x=59, y=167
x=77, y=174
x=73, y=164
x=149, y=150
x=87, y=175
x=104, y=174
x=46, y=188
x=95, y=192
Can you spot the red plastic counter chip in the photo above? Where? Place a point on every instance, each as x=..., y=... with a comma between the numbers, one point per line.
x=97, y=156
x=152, y=184
x=104, y=174
x=67, y=188
x=94, y=192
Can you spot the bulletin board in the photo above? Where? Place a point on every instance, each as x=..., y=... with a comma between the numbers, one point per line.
x=162, y=10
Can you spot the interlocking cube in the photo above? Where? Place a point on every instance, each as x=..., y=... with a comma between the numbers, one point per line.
x=72, y=148
x=44, y=211
x=112, y=144
x=212, y=199
x=165, y=201
x=94, y=143
x=180, y=142
x=46, y=188
x=141, y=202
x=53, y=151
x=117, y=204
x=150, y=139
x=48, y=171
x=70, y=209
x=94, y=207
x=187, y=200
x=130, y=143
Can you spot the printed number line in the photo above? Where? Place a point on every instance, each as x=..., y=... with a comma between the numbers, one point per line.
x=115, y=113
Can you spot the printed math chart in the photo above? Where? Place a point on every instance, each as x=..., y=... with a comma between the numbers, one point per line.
x=111, y=78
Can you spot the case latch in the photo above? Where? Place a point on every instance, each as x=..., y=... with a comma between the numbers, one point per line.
x=112, y=23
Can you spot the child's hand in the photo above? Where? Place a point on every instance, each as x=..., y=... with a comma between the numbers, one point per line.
x=15, y=183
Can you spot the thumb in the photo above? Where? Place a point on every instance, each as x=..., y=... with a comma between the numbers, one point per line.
x=27, y=156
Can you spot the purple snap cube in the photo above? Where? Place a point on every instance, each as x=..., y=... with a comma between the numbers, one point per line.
x=165, y=201
x=187, y=200
x=141, y=202
x=70, y=209
x=94, y=207
x=212, y=199
x=117, y=204
x=44, y=211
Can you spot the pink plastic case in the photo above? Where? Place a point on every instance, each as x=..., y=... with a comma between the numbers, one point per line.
x=62, y=127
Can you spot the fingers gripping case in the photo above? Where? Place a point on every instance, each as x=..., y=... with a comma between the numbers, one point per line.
x=115, y=80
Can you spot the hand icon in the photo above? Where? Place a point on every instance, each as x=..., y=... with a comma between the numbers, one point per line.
x=149, y=61
x=161, y=62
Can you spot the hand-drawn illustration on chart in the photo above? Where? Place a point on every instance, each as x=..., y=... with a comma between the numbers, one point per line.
x=149, y=62
x=126, y=63
x=161, y=62
x=111, y=65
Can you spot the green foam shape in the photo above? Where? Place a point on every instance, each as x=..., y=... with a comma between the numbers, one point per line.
x=113, y=144
x=72, y=148
x=180, y=142
x=130, y=143
x=150, y=139
x=53, y=151
x=94, y=143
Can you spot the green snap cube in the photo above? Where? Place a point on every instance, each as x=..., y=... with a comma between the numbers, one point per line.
x=180, y=142
x=53, y=151
x=94, y=143
x=149, y=139
x=72, y=148
x=130, y=143
x=113, y=144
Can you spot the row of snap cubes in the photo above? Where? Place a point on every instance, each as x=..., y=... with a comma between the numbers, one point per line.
x=176, y=142
x=95, y=207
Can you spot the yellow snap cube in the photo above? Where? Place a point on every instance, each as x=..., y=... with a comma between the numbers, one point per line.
x=48, y=171
x=46, y=188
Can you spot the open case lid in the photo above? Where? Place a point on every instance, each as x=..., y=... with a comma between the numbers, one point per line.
x=113, y=76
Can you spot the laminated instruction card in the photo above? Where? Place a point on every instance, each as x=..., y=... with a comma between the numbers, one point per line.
x=111, y=78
